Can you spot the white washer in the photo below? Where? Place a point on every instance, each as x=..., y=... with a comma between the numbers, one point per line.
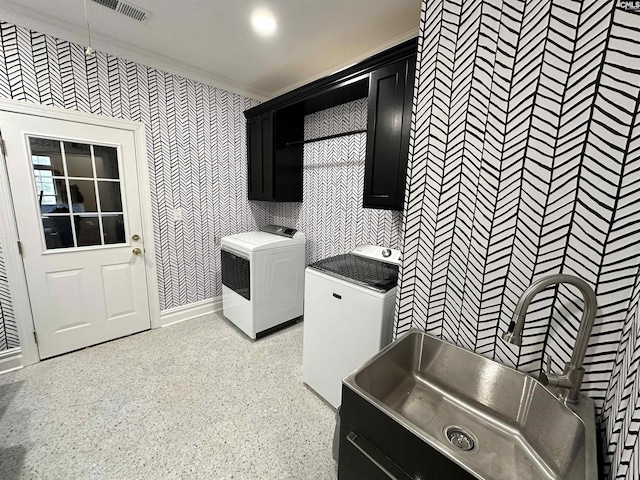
x=348, y=315
x=263, y=278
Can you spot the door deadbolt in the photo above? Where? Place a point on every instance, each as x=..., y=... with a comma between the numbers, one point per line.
x=135, y=237
x=137, y=251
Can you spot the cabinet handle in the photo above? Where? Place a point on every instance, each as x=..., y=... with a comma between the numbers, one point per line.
x=391, y=470
x=339, y=297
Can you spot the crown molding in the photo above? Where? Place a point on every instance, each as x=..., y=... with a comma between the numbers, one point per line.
x=29, y=18
x=330, y=71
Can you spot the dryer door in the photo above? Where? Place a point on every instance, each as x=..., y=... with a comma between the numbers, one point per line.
x=236, y=273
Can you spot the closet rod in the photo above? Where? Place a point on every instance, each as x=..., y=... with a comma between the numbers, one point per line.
x=336, y=135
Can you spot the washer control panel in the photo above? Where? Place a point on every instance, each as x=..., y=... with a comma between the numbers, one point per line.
x=385, y=254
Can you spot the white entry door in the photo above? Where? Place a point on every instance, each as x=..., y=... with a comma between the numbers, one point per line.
x=75, y=194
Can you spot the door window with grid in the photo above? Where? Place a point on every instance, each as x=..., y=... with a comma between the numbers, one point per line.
x=78, y=191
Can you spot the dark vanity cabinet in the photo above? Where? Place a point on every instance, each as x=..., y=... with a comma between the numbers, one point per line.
x=388, y=131
x=373, y=446
x=275, y=129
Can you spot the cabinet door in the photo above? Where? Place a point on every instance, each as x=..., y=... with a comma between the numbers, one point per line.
x=254, y=158
x=388, y=131
x=266, y=127
x=260, y=157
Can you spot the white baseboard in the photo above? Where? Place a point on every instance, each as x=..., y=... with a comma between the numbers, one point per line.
x=192, y=310
x=10, y=360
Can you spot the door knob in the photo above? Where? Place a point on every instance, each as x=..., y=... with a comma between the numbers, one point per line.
x=135, y=237
x=137, y=251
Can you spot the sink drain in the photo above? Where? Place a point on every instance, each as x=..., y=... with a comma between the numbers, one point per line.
x=460, y=439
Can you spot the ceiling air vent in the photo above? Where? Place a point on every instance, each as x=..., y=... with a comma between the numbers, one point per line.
x=125, y=8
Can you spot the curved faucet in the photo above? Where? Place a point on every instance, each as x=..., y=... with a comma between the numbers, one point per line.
x=571, y=378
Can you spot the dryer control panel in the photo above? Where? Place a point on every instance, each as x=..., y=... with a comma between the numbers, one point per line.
x=280, y=230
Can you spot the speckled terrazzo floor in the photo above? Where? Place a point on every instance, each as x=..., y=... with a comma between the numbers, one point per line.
x=194, y=400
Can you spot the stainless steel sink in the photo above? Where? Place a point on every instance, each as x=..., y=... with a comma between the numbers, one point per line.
x=495, y=422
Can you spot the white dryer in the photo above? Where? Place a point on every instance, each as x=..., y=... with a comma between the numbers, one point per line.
x=348, y=315
x=263, y=278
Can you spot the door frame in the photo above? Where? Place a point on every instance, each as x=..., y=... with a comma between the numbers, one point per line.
x=9, y=229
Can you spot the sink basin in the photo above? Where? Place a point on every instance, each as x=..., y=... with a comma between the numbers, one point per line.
x=492, y=420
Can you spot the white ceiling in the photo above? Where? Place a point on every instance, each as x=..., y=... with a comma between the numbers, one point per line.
x=212, y=40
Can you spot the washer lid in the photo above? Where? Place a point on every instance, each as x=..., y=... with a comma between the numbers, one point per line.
x=255, y=241
x=364, y=271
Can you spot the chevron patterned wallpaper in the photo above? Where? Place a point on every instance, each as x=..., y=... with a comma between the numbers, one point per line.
x=331, y=214
x=525, y=161
x=8, y=329
x=195, y=144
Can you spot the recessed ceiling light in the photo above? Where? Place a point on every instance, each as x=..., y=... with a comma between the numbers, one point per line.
x=264, y=23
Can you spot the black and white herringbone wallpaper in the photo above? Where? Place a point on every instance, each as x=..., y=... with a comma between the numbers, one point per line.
x=331, y=213
x=195, y=144
x=525, y=161
x=8, y=329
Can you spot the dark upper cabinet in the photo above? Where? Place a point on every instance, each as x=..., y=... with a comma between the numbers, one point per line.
x=260, y=156
x=388, y=131
x=275, y=168
x=275, y=128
